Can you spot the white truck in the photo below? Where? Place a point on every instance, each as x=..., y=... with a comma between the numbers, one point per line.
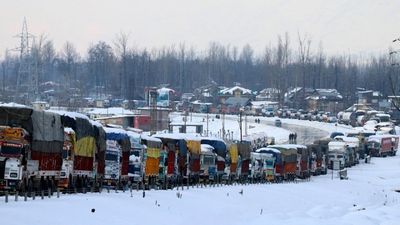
x=337, y=152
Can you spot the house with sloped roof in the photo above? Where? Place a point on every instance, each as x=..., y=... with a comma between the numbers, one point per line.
x=233, y=105
x=328, y=100
x=236, y=92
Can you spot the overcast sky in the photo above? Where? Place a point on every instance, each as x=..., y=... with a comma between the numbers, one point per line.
x=343, y=26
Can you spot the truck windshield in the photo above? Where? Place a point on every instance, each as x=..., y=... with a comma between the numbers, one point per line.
x=208, y=160
x=111, y=157
x=10, y=149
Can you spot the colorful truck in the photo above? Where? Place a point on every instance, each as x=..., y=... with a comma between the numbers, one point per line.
x=14, y=147
x=136, y=169
x=79, y=151
x=154, y=160
x=220, y=149
x=271, y=159
x=117, y=157
x=288, y=168
x=208, y=169
x=383, y=145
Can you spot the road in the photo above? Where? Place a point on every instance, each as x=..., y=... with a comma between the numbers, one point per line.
x=305, y=135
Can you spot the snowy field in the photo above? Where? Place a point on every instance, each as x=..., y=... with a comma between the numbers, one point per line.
x=368, y=197
x=232, y=124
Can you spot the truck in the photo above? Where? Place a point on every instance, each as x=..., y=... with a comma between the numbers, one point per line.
x=288, y=166
x=79, y=165
x=208, y=169
x=337, y=152
x=194, y=148
x=352, y=148
x=37, y=138
x=117, y=157
x=155, y=160
x=66, y=177
x=220, y=148
x=383, y=145
x=14, y=147
x=136, y=169
x=271, y=158
x=244, y=160
x=303, y=160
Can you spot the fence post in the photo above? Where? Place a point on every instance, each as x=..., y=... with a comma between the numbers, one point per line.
x=6, y=198
x=58, y=192
x=42, y=194
x=25, y=196
x=33, y=195
x=16, y=196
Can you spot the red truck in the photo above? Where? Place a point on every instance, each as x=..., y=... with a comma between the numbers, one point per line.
x=383, y=145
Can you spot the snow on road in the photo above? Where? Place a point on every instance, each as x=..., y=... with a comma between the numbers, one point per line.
x=368, y=197
x=232, y=125
x=307, y=130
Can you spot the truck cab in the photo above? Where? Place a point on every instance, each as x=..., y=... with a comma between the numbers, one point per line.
x=14, y=149
x=112, y=162
x=337, y=152
x=208, y=169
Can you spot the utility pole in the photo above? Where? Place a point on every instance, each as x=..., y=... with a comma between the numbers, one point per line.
x=24, y=69
x=223, y=125
x=240, y=124
x=245, y=124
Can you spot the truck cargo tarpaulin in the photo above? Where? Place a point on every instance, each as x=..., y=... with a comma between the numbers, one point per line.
x=244, y=150
x=100, y=136
x=218, y=145
x=120, y=136
x=47, y=126
x=233, y=151
x=194, y=147
x=21, y=116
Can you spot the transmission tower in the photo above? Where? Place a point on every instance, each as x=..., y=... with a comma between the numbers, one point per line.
x=24, y=71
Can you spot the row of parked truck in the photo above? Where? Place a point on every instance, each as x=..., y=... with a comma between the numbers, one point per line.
x=49, y=149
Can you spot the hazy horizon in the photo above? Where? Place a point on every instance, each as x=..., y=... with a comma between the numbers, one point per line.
x=343, y=26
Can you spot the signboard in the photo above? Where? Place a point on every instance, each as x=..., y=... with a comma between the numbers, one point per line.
x=163, y=97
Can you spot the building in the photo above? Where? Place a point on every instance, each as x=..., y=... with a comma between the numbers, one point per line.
x=234, y=92
x=328, y=100
x=268, y=94
x=375, y=99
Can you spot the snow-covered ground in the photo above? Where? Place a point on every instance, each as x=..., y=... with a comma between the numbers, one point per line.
x=368, y=197
x=232, y=125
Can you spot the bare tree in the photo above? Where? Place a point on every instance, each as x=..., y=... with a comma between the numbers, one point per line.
x=121, y=46
x=304, y=61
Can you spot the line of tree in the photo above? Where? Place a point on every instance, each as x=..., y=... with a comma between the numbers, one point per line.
x=123, y=71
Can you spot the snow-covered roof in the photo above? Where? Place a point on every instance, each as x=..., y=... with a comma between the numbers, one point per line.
x=114, y=130
x=185, y=136
x=148, y=138
x=109, y=111
x=232, y=89
x=164, y=89
x=198, y=102
x=378, y=138
x=96, y=123
x=263, y=103
x=69, y=130
x=133, y=134
x=288, y=146
x=14, y=105
x=206, y=148
x=268, y=149
x=73, y=115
